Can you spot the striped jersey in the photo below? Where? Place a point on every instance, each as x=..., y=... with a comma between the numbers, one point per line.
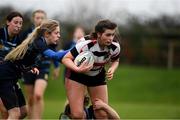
x=108, y=54
x=6, y=43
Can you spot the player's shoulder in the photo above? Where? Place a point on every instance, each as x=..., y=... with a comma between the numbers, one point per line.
x=39, y=42
x=115, y=45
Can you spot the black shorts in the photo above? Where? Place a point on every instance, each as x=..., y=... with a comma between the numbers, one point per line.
x=11, y=95
x=30, y=78
x=20, y=96
x=89, y=81
x=9, y=72
x=9, y=75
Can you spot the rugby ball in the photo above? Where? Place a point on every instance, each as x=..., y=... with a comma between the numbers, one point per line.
x=85, y=56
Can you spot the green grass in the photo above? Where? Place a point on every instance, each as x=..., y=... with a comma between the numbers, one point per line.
x=147, y=111
x=143, y=84
x=126, y=110
x=53, y=108
x=135, y=93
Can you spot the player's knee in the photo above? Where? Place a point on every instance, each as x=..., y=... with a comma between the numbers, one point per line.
x=38, y=96
x=100, y=114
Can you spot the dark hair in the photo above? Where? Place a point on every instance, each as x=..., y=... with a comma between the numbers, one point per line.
x=13, y=14
x=101, y=26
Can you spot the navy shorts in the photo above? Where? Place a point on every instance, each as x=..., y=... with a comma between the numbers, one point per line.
x=11, y=95
x=89, y=81
x=30, y=78
x=9, y=75
x=20, y=96
x=9, y=72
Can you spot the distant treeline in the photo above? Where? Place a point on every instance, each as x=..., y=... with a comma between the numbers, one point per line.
x=152, y=42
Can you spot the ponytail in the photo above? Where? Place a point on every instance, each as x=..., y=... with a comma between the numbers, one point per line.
x=19, y=51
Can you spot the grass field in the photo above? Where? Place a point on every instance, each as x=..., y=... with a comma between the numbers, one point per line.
x=135, y=93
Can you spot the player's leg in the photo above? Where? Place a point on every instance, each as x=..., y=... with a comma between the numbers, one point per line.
x=29, y=90
x=3, y=110
x=28, y=81
x=21, y=101
x=9, y=99
x=75, y=93
x=101, y=93
x=38, y=106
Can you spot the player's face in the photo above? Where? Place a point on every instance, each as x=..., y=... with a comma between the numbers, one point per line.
x=54, y=36
x=38, y=18
x=15, y=25
x=106, y=38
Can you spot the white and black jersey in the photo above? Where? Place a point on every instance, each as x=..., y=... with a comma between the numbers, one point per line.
x=102, y=57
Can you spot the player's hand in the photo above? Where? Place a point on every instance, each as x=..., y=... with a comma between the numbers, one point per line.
x=84, y=67
x=98, y=104
x=35, y=71
x=109, y=74
x=55, y=73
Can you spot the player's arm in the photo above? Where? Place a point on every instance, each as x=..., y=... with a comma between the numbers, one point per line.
x=56, y=70
x=112, y=114
x=114, y=65
x=114, y=62
x=54, y=55
x=100, y=105
x=68, y=62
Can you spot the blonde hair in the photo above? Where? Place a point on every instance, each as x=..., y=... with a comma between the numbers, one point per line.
x=19, y=52
x=38, y=11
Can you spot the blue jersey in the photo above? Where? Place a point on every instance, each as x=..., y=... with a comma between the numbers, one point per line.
x=69, y=45
x=45, y=62
x=12, y=70
x=35, y=52
x=7, y=43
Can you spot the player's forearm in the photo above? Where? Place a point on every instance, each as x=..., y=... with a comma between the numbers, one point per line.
x=55, y=55
x=69, y=64
x=112, y=114
x=114, y=65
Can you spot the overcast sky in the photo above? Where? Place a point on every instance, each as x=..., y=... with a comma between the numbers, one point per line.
x=150, y=8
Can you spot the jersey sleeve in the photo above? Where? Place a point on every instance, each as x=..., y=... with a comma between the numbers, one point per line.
x=55, y=55
x=115, y=52
x=56, y=63
x=79, y=47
